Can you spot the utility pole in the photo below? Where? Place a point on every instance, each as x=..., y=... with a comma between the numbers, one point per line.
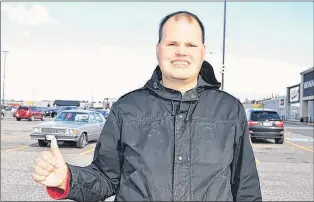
x=223, y=47
x=4, y=63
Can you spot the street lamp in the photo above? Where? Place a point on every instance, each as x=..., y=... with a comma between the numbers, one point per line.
x=4, y=63
x=223, y=47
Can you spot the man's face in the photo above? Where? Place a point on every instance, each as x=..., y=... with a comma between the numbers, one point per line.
x=181, y=52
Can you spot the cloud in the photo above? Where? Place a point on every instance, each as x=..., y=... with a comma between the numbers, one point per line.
x=255, y=77
x=31, y=16
x=25, y=34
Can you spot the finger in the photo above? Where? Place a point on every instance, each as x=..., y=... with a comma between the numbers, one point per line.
x=44, y=165
x=41, y=172
x=54, y=148
x=48, y=157
x=38, y=178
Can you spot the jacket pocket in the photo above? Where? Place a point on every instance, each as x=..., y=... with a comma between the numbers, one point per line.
x=220, y=190
x=215, y=143
x=134, y=188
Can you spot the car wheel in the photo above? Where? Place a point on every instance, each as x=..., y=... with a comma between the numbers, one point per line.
x=42, y=118
x=82, y=141
x=32, y=118
x=18, y=119
x=2, y=116
x=279, y=140
x=42, y=143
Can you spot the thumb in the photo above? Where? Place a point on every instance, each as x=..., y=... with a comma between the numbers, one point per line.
x=54, y=148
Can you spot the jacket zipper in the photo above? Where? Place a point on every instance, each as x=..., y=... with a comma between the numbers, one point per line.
x=174, y=155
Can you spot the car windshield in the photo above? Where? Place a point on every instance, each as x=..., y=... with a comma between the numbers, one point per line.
x=73, y=116
x=265, y=115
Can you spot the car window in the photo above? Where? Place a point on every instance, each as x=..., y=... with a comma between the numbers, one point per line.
x=72, y=116
x=99, y=117
x=264, y=115
x=34, y=109
x=23, y=108
x=92, y=118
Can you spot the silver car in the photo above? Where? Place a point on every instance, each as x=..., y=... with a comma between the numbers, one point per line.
x=79, y=126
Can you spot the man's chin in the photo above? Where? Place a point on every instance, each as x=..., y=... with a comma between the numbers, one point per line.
x=180, y=77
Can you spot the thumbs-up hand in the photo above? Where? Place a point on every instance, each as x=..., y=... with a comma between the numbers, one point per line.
x=50, y=167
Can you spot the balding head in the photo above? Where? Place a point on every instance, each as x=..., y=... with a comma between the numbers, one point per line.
x=181, y=15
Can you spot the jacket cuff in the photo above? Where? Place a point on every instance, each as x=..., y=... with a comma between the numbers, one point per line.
x=56, y=193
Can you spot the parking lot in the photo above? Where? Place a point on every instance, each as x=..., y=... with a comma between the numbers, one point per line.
x=286, y=170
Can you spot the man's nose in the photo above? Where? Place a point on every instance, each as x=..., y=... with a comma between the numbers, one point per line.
x=181, y=50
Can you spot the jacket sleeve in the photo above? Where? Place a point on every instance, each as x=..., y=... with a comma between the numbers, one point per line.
x=246, y=183
x=100, y=179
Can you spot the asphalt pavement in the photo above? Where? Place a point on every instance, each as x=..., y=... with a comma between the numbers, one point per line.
x=299, y=128
x=286, y=171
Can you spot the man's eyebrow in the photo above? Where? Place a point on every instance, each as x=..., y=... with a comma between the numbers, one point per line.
x=171, y=41
x=188, y=42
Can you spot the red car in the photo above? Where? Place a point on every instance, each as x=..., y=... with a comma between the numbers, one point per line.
x=28, y=112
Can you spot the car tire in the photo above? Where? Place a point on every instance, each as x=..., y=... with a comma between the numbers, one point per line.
x=279, y=140
x=2, y=116
x=42, y=143
x=42, y=118
x=18, y=119
x=82, y=142
x=32, y=118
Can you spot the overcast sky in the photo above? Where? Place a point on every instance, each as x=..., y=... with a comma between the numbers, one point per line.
x=79, y=50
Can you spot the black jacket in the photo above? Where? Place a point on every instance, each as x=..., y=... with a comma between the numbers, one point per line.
x=158, y=145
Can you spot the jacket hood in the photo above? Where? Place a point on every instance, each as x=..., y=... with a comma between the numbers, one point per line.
x=206, y=80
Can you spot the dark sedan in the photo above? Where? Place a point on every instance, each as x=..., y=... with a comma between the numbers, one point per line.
x=265, y=124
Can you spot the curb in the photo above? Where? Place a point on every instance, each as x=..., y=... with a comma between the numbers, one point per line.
x=300, y=123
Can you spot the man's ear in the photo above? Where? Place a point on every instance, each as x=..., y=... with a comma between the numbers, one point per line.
x=204, y=51
x=157, y=49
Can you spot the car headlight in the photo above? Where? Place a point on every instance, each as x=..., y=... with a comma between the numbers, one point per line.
x=72, y=131
x=36, y=130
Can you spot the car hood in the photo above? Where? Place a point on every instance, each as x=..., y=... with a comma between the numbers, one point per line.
x=61, y=124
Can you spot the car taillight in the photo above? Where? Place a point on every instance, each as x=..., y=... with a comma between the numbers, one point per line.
x=252, y=123
x=279, y=123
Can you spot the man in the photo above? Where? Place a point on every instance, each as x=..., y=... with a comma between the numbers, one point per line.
x=177, y=138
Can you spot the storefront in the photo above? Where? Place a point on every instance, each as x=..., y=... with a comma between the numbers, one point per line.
x=307, y=95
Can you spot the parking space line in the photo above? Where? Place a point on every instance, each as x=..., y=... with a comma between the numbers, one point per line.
x=88, y=151
x=14, y=149
x=299, y=146
x=10, y=137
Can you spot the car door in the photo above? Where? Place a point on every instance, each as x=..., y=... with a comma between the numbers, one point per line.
x=101, y=122
x=93, y=126
x=34, y=111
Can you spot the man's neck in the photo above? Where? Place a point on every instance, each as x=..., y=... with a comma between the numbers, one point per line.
x=181, y=86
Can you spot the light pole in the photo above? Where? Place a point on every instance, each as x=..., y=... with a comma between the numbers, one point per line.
x=223, y=47
x=4, y=63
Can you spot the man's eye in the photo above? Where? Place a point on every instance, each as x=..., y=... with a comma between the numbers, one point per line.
x=191, y=45
x=171, y=44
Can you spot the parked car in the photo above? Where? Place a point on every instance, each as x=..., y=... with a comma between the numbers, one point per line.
x=53, y=111
x=29, y=112
x=265, y=124
x=79, y=126
x=13, y=110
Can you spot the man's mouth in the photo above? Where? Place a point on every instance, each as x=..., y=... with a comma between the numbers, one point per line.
x=180, y=63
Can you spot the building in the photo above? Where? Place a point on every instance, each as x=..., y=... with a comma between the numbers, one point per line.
x=298, y=104
x=276, y=104
x=307, y=95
